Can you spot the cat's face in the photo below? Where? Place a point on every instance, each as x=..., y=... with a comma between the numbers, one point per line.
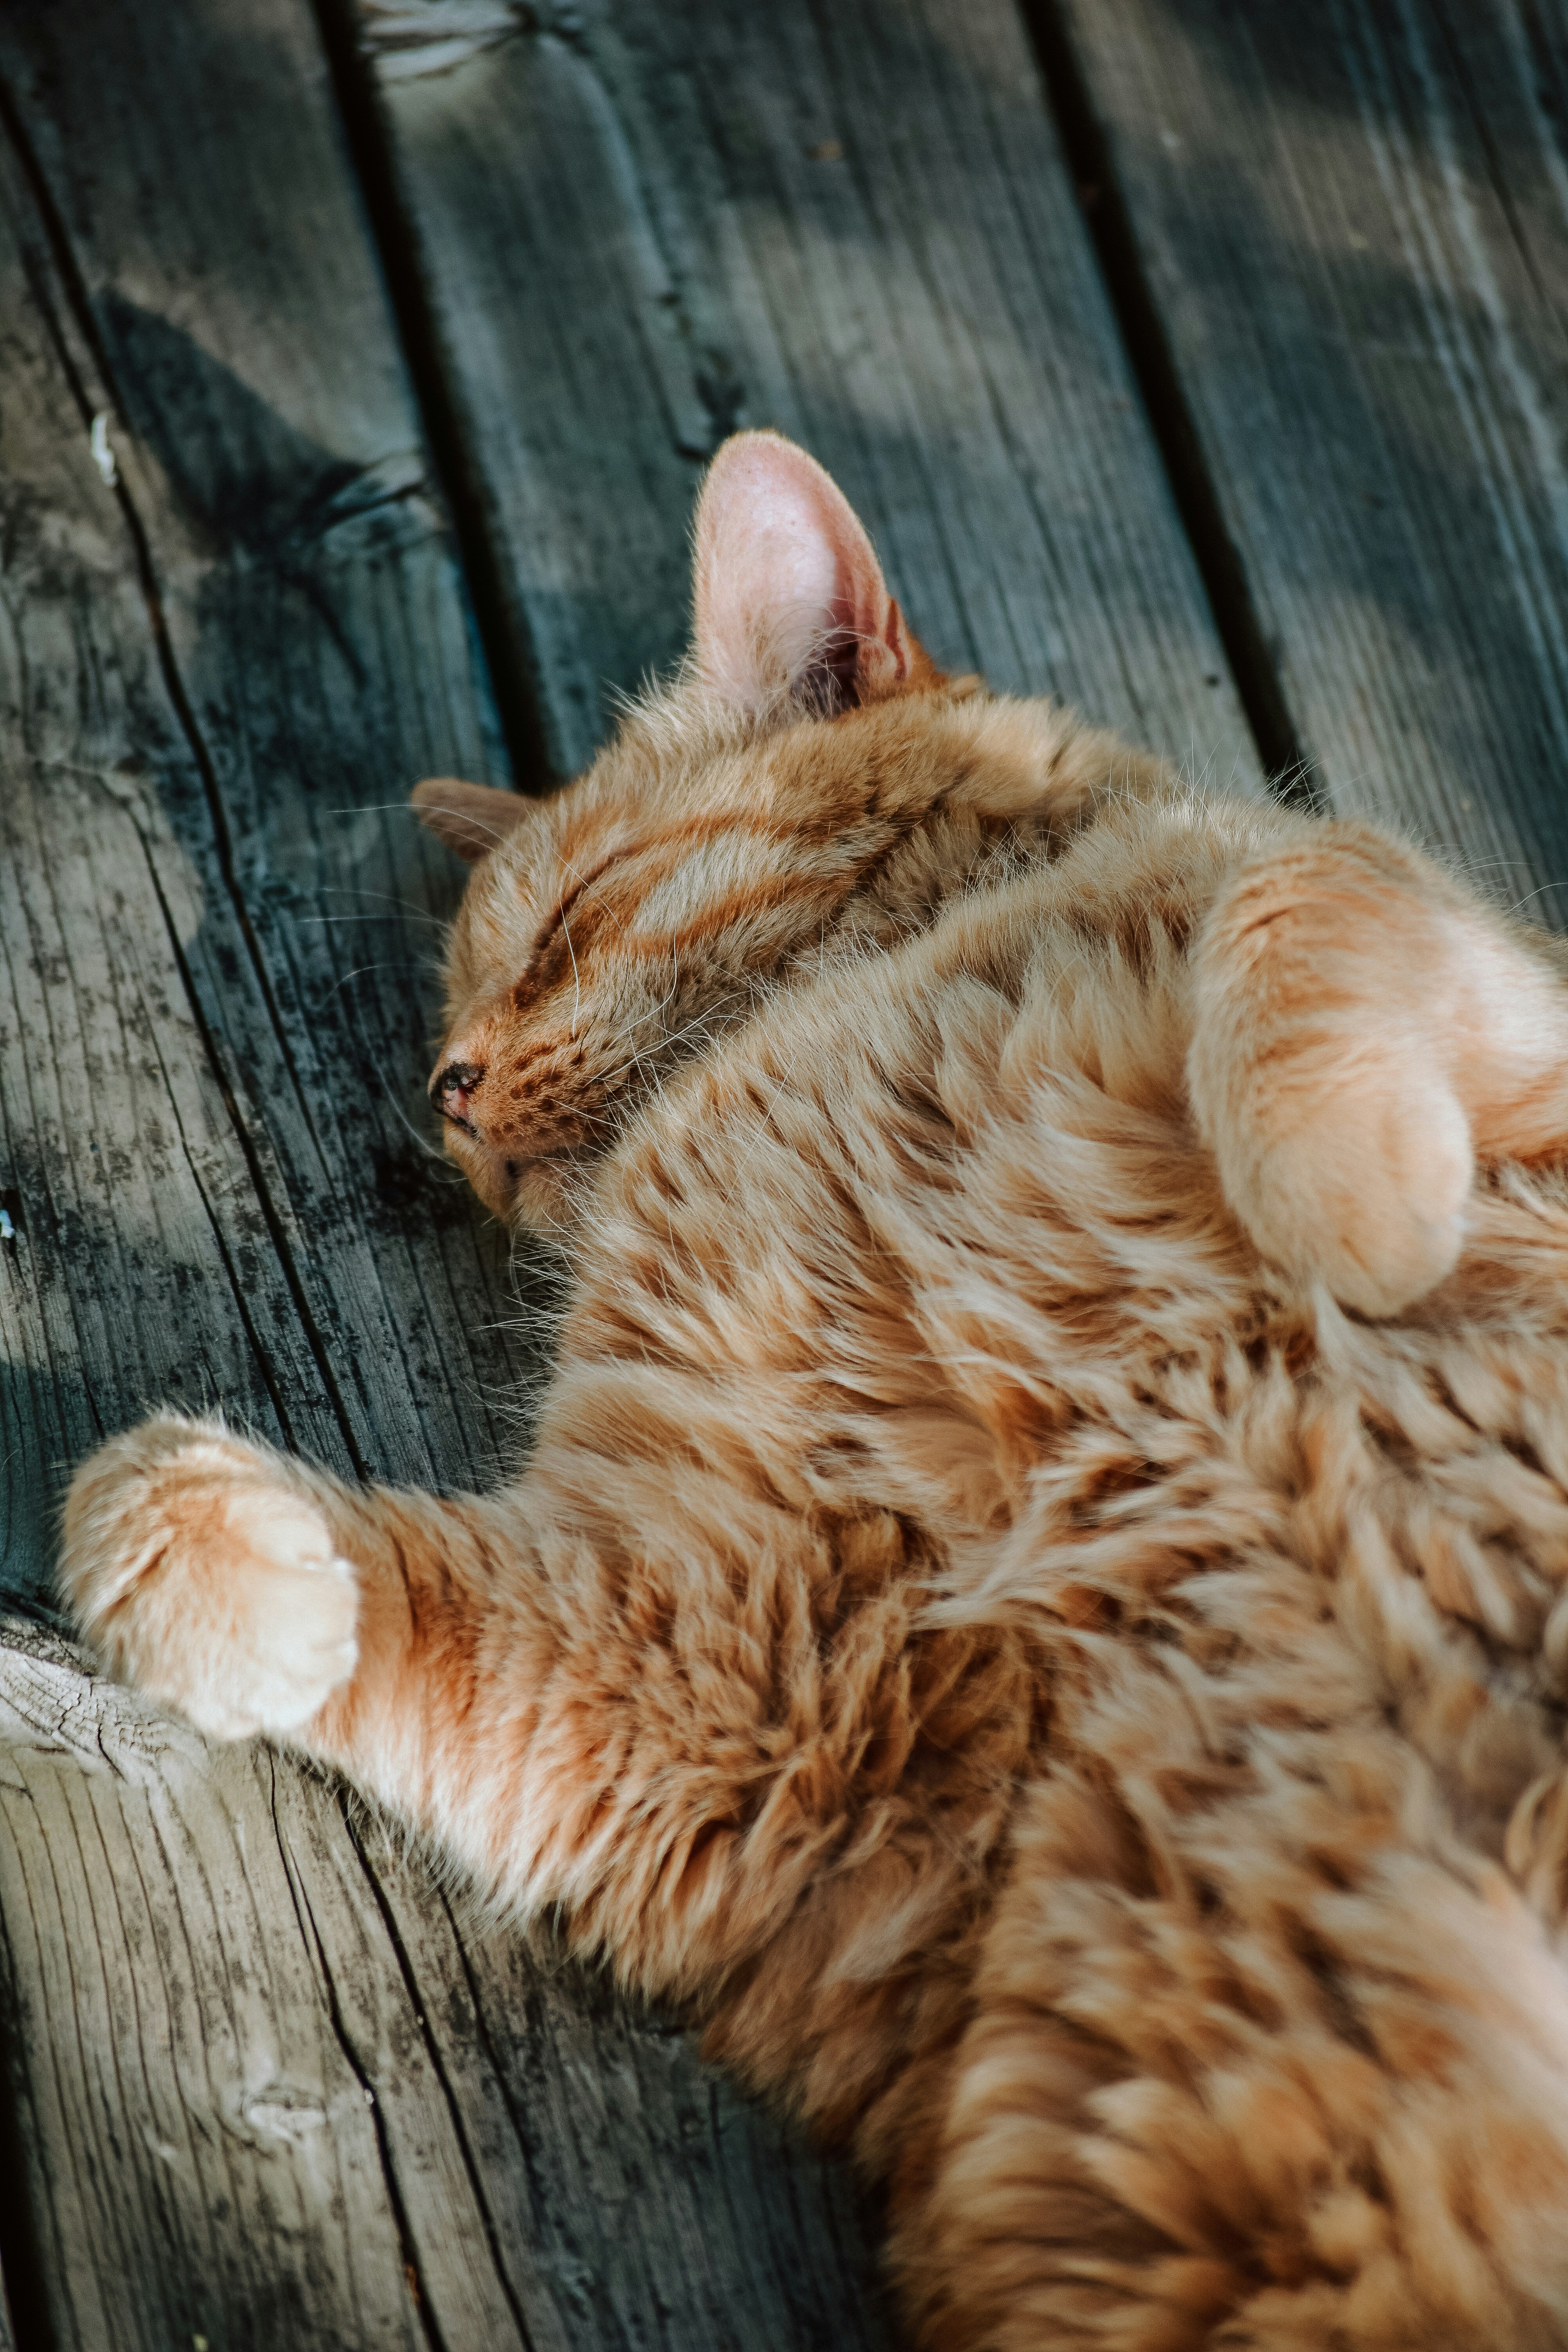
x=608, y=931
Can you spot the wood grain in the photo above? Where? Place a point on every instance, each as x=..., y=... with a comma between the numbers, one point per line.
x=210, y=2161
x=639, y=228
x=297, y=650
x=142, y=1264
x=1353, y=221
x=217, y=678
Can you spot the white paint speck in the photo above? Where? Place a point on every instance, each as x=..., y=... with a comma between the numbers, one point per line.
x=103, y=455
x=284, y=2116
x=412, y=39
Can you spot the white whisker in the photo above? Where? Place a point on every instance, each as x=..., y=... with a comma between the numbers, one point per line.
x=589, y=892
x=577, y=976
x=434, y=921
x=344, y=978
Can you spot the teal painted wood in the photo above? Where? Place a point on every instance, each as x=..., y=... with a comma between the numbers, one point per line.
x=1354, y=224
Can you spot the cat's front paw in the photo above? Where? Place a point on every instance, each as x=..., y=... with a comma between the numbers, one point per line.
x=201, y=1573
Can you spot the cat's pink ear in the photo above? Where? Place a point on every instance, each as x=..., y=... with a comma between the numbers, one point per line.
x=470, y=818
x=791, y=605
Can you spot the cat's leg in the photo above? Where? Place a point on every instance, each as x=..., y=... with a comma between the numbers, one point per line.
x=1362, y=1030
x=252, y=1592
x=467, y=1661
x=628, y=1685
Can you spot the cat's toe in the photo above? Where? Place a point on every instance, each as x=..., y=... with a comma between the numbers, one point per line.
x=200, y=1572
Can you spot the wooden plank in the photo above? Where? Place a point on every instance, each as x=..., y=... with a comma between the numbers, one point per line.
x=203, y=2159
x=638, y=226
x=1354, y=225
x=200, y=2154
x=213, y=677
x=138, y=1261
x=308, y=652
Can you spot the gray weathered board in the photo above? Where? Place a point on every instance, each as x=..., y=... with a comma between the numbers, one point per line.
x=637, y=226
x=1353, y=216
x=264, y=2087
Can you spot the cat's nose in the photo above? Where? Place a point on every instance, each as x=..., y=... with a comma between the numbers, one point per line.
x=451, y=1090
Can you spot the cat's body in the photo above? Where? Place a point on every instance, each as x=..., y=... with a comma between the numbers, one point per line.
x=1075, y=1711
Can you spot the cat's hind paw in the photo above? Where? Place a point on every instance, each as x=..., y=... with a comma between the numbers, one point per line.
x=201, y=1571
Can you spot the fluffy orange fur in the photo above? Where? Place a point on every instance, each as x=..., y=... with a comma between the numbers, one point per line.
x=1040, y=1599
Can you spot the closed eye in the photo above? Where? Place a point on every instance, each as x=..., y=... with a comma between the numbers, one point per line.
x=716, y=852
x=582, y=882
x=582, y=887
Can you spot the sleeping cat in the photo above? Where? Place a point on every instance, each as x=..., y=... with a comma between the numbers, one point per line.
x=1039, y=1601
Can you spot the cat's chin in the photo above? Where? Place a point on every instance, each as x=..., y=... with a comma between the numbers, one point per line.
x=541, y=1194
x=530, y=1194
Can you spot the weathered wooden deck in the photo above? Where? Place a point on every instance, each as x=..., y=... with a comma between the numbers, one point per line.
x=1201, y=360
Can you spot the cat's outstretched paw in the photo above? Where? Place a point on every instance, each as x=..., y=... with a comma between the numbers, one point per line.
x=201, y=1573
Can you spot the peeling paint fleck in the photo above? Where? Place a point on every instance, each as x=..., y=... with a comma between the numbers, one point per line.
x=411, y=39
x=103, y=455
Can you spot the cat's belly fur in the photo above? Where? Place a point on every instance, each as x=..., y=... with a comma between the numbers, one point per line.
x=1079, y=1713
x=1211, y=1637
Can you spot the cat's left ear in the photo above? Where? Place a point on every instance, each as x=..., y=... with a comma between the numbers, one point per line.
x=791, y=607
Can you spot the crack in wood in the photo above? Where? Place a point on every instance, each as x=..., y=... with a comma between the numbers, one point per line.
x=307, y=1918
x=1286, y=759
x=419, y=2005
x=354, y=74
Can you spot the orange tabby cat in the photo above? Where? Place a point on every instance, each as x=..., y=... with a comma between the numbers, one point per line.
x=1039, y=1601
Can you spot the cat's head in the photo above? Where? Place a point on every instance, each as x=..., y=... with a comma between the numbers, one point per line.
x=792, y=781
